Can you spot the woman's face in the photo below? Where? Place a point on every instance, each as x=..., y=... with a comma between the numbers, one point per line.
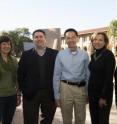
x=98, y=41
x=5, y=47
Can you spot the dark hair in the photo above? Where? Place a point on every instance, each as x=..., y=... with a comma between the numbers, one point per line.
x=106, y=39
x=39, y=30
x=4, y=38
x=71, y=30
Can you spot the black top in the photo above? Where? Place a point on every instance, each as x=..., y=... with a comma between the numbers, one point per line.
x=30, y=69
x=42, y=72
x=101, y=68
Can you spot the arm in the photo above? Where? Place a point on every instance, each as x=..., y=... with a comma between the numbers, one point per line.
x=57, y=77
x=15, y=78
x=87, y=73
x=21, y=72
x=18, y=97
x=109, y=71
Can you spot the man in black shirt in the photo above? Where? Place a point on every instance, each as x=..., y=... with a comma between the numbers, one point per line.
x=35, y=76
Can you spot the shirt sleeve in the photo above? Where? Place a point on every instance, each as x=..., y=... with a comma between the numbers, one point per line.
x=87, y=72
x=21, y=72
x=57, y=77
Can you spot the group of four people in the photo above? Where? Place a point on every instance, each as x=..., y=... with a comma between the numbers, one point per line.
x=48, y=78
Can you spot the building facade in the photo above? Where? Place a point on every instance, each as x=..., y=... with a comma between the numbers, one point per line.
x=85, y=40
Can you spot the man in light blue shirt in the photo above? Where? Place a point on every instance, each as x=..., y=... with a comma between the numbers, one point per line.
x=70, y=79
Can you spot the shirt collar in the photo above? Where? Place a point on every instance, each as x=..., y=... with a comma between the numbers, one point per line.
x=73, y=52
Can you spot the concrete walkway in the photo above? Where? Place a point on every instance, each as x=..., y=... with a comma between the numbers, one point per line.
x=18, y=118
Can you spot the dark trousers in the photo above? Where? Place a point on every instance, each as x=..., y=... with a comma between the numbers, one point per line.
x=41, y=101
x=99, y=115
x=7, y=109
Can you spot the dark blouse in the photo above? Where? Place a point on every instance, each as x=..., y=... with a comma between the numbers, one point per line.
x=101, y=68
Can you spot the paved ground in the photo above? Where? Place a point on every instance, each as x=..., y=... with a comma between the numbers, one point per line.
x=18, y=119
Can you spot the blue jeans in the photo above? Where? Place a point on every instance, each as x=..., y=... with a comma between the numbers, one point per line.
x=7, y=109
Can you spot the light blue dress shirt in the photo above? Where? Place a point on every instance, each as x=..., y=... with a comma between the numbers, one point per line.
x=70, y=66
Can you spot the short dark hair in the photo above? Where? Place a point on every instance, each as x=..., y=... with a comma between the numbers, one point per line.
x=71, y=30
x=39, y=30
x=4, y=38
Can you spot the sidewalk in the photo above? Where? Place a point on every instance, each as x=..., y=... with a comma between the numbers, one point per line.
x=18, y=118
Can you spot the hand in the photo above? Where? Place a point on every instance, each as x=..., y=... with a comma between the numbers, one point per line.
x=58, y=103
x=18, y=100
x=102, y=102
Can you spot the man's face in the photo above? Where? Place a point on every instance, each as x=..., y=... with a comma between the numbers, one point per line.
x=71, y=39
x=39, y=40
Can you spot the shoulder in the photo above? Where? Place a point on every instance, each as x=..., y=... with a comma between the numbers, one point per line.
x=52, y=50
x=14, y=58
x=83, y=53
x=28, y=52
x=109, y=57
x=26, y=55
x=108, y=53
x=63, y=52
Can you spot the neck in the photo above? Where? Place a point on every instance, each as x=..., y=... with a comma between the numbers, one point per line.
x=40, y=48
x=4, y=56
x=73, y=49
x=98, y=51
x=40, y=51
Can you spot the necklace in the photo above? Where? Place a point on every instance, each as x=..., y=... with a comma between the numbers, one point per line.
x=97, y=57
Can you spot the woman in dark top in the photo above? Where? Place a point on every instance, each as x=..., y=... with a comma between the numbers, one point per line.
x=100, y=87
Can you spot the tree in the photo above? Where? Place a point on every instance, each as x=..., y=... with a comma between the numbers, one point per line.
x=113, y=28
x=112, y=33
x=18, y=36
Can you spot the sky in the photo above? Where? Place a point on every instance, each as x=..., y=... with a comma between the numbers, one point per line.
x=39, y=14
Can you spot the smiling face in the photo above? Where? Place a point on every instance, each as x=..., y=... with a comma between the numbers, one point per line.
x=39, y=39
x=5, y=47
x=99, y=40
x=71, y=39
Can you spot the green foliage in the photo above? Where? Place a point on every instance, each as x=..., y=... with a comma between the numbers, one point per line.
x=18, y=36
x=112, y=31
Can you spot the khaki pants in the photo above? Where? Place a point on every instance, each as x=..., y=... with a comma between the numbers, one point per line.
x=73, y=97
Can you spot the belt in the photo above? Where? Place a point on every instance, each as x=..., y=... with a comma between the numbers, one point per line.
x=79, y=84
